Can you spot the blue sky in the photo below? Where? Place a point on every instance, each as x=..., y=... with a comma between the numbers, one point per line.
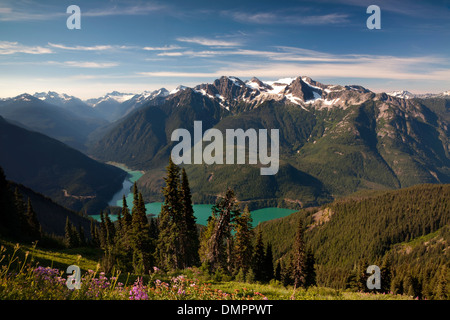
x=132, y=46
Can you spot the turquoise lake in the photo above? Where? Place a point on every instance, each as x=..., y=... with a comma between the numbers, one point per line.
x=201, y=211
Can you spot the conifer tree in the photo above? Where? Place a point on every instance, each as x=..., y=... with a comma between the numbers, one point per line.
x=268, y=263
x=258, y=258
x=103, y=231
x=310, y=277
x=299, y=257
x=386, y=274
x=220, y=244
x=95, y=242
x=168, y=246
x=243, y=237
x=142, y=255
x=32, y=222
x=69, y=237
x=205, y=236
x=189, y=233
x=441, y=290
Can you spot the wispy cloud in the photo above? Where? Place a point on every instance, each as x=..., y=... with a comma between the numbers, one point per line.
x=139, y=9
x=7, y=47
x=277, y=18
x=25, y=11
x=81, y=48
x=84, y=64
x=165, y=48
x=209, y=42
x=297, y=61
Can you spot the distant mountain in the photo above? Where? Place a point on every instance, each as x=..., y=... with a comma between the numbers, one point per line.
x=116, y=105
x=408, y=95
x=402, y=94
x=71, y=103
x=334, y=139
x=54, y=169
x=52, y=120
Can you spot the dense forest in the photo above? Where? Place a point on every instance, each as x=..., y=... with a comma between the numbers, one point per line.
x=405, y=232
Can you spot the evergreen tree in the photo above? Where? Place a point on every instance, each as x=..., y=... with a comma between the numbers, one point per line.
x=386, y=274
x=299, y=258
x=205, y=236
x=32, y=222
x=243, y=247
x=126, y=219
x=189, y=235
x=258, y=258
x=95, y=241
x=278, y=271
x=142, y=255
x=441, y=290
x=220, y=244
x=69, y=237
x=310, y=270
x=268, y=263
x=103, y=231
x=168, y=246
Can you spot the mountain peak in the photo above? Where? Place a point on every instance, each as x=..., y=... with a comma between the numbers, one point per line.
x=401, y=94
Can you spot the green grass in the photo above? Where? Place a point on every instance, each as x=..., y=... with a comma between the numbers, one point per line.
x=276, y=291
x=196, y=284
x=85, y=258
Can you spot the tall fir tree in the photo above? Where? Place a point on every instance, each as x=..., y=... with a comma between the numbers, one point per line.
x=268, y=263
x=310, y=269
x=32, y=222
x=142, y=251
x=243, y=241
x=168, y=244
x=299, y=258
x=189, y=234
x=258, y=258
x=69, y=238
x=220, y=244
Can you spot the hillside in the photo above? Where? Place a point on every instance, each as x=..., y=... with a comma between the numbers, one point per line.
x=54, y=169
x=52, y=216
x=409, y=226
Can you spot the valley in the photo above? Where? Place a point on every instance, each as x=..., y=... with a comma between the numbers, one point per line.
x=367, y=174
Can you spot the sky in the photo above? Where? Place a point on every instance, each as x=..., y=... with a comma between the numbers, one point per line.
x=133, y=46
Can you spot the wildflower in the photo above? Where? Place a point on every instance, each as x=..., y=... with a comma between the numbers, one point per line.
x=137, y=292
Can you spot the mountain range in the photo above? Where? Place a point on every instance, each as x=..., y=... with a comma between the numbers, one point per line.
x=334, y=139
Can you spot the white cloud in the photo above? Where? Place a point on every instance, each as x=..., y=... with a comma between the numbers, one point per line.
x=287, y=18
x=7, y=47
x=165, y=48
x=209, y=42
x=81, y=48
x=84, y=64
x=170, y=54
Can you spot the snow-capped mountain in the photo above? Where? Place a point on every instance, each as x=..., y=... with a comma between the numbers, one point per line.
x=68, y=102
x=401, y=94
x=303, y=91
x=112, y=97
x=231, y=93
x=408, y=95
